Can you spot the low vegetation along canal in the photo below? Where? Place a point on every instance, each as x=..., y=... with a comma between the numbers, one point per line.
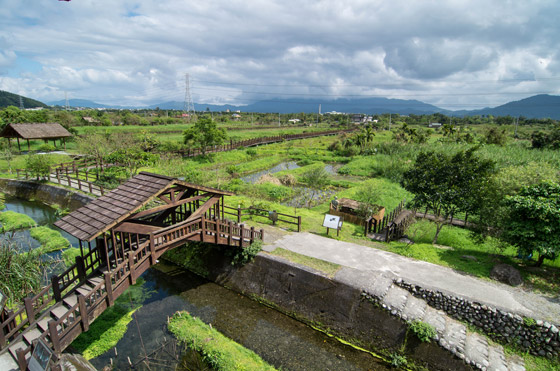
x=165, y=289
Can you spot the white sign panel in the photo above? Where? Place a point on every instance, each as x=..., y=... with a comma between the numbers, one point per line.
x=332, y=221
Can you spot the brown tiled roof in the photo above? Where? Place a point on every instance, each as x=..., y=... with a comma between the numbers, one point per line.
x=107, y=211
x=35, y=131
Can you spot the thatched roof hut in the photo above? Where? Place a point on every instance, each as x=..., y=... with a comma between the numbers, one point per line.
x=35, y=131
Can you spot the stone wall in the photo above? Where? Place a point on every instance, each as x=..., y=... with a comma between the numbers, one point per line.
x=48, y=194
x=538, y=337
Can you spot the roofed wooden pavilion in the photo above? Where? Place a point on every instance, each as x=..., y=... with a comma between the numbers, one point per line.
x=145, y=207
x=132, y=226
x=46, y=132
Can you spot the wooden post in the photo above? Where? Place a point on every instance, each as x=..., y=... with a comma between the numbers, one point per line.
x=83, y=312
x=262, y=235
x=29, y=310
x=153, y=257
x=241, y=233
x=238, y=214
x=229, y=233
x=217, y=231
x=252, y=238
x=55, y=288
x=21, y=361
x=109, y=288
x=53, y=334
x=131, y=268
x=202, y=227
x=299, y=223
x=81, y=268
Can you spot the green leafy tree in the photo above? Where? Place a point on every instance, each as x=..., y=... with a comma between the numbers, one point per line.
x=496, y=136
x=448, y=184
x=38, y=165
x=533, y=223
x=204, y=134
x=133, y=158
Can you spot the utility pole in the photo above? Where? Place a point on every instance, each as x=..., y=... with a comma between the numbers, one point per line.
x=21, y=103
x=188, y=106
x=67, y=104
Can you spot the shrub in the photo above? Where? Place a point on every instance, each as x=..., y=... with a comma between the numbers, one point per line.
x=20, y=271
x=38, y=165
x=47, y=147
x=251, y=152
x=398, y=361
x=246, y=254
x=423, y=331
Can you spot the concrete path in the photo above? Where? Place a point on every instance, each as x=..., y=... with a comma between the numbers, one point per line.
x=426, y=275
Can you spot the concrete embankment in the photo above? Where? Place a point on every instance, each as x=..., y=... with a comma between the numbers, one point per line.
x=348, y=305
x=48, y=194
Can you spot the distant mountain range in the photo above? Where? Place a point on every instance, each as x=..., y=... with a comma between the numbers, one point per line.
x=538, y=106
x=11, y=99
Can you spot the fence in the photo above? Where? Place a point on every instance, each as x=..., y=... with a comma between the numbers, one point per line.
x=259, y=141
x=270, y=215
x=377, y=226
x=393, y=225
x=75, y=174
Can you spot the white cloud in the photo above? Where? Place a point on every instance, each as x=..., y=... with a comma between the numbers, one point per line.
x=137, y=51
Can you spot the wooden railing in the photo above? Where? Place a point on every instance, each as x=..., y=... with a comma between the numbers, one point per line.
x=63, y=331
x=239, y=213
x=34, y=306
x=259, y=141
x=68, y=174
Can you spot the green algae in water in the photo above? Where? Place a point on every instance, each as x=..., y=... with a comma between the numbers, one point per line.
x=217, y=350
x=12, y=221
x=106, y=331
x=49, y=239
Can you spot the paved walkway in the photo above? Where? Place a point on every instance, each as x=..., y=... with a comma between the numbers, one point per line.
x=424, y=274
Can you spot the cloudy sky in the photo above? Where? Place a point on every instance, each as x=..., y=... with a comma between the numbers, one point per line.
x=454, y=54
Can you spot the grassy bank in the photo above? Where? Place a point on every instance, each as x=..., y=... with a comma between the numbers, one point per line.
x=218, y=351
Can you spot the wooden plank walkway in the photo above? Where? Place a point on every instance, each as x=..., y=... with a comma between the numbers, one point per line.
x=65, y=308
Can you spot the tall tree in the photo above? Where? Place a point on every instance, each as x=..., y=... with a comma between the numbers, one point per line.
x=448, y=184
x=533, y=223
x=204, y=134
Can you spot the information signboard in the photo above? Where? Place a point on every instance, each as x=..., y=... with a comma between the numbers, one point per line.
x=332, y=222
x=40, y=357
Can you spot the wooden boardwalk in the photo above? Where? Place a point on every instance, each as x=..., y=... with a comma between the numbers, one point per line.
x=65, y=308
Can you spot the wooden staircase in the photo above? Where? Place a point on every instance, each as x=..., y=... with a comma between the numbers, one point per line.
x=64, y=309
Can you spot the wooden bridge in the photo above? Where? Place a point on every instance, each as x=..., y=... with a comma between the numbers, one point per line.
x=124, y=233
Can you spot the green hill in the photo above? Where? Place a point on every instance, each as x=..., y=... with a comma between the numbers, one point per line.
x=11, y=99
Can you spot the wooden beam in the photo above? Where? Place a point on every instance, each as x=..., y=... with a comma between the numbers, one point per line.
x=168, y=206
x=204, y=208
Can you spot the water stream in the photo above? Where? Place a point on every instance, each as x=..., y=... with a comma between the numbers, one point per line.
x=280, y=340
x=302, y=195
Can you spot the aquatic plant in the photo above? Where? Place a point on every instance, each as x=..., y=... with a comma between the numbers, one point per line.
x=219, y=351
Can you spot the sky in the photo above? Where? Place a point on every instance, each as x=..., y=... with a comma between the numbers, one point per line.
x=453, y=54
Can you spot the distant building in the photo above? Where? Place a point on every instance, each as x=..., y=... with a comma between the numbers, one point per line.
x=358, y=118
x=294, y=121
x=434, y=125
x=236, y=116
